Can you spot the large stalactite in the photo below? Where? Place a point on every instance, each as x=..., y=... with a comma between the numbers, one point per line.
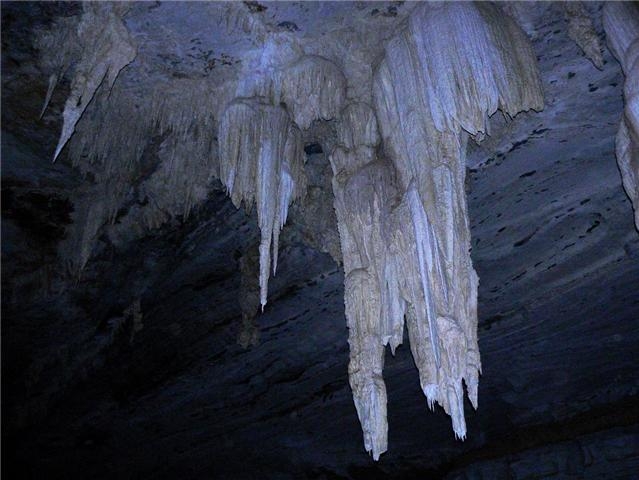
x=398, y=162
x=430, y=89
x=365, y=191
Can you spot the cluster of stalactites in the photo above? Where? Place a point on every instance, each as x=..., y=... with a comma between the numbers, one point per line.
x=483, y=62
x=113, y=134
x=312, y=88
x=260, y=146
x=621, y=22
x=261, y=162
x=402, y=217
x=404, y=224
x=110, y=142
x=394, y=269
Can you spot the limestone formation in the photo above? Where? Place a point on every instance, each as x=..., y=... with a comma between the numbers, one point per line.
x=59, y=46
x=106, y=49
x=621, y=22
x=158, y=159
x=432, y=90
x=582, y=31
x=261, y=163
x=365, y=192
x=397, y=154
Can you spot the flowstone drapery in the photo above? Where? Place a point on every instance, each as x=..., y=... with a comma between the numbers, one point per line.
x=621, y=22
x=397, y=156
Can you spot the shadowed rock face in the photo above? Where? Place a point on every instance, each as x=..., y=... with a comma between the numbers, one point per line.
x=132, y=369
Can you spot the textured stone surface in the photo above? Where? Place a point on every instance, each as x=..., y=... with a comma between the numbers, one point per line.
x=88, y=393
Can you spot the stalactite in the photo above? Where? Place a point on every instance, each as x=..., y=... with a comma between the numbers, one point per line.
x=621, y=23
x=261, y=162
x=313, y=88
x=364, y=190
x=261, y=156
x=398, y=173
x=109, y=144
x=406, y=241
x=106, y=49
x=93, y=207
x=582, y=31
x=118, y=129
x=59, y=46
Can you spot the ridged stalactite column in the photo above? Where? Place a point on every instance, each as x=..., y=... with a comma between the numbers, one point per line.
x=453, y=66
x=364, y=190
x=621, y=22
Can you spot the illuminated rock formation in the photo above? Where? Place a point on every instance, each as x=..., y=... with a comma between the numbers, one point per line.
x=364, y=189
x=106, y=49
x=434, y=87
x=261, y=162
x=398, y=160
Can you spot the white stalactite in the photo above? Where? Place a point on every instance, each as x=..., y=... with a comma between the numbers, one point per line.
x=107, y=49
x=261, y=162
x=621, y=22
x=261, y=156
x=313, y=88
x=310, y=86
x=452, y=67
x=364, y=190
